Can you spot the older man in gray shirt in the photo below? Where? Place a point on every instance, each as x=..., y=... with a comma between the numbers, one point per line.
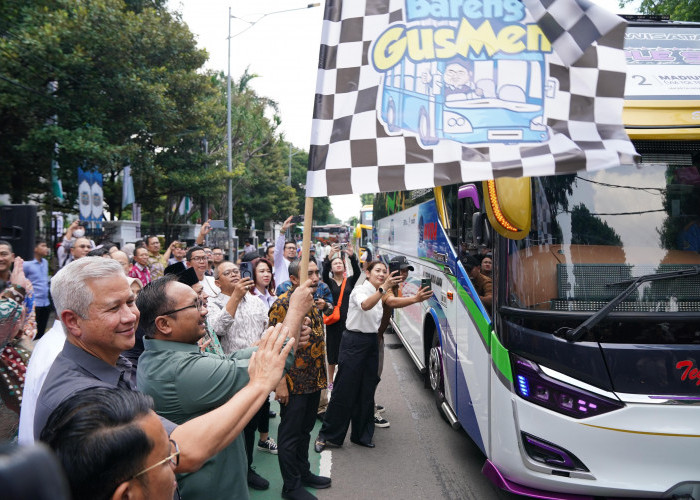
x=97, y=309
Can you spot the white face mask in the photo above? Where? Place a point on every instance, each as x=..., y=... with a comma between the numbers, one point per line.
x=79, y=233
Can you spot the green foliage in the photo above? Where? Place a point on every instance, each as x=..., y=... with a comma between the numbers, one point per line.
x=367, y=198
x=110, y=83
x=677, y=10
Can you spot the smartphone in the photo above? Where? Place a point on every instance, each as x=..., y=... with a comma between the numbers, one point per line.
x=217, y=224
x=246, y=270
x=297, y=219
x=425, y=282
x=394, y=266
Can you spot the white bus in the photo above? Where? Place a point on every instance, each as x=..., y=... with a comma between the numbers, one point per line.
x=583, y=378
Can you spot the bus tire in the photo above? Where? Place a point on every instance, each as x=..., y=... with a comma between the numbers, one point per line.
x=436, y=374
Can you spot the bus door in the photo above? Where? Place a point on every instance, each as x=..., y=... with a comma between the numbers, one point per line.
x=465, y=347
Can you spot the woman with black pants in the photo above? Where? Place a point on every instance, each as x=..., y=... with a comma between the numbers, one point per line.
x=356, y=380
x=334, y=277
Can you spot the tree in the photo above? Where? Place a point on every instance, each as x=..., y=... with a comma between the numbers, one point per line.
x=110, y=83
x=677, y=10
x=367, y=198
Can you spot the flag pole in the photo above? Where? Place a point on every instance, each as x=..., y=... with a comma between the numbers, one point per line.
x=306, y=239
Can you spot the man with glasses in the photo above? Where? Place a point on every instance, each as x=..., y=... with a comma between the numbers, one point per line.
x=111, y=444
x=239, y=319
x=210, y=261
x=185, y=383
x=217, y=256
x=299, y=394
x=97, y=309
x=198, y=260
x=285, y=252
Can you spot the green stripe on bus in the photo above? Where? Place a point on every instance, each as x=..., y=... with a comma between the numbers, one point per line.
x=499, y=354
x=500, y=357
x=481, y=322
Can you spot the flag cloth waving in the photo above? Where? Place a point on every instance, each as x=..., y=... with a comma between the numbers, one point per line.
x=421, y=93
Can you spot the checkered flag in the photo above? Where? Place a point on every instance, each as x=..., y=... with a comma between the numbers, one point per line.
x=363, y=143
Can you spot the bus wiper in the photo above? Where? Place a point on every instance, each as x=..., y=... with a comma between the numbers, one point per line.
x=575, y=334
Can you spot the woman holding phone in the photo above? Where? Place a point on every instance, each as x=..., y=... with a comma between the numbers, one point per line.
x=357, y=377
x=334, y=271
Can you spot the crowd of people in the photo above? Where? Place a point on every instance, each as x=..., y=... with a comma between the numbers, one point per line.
x=155, y=379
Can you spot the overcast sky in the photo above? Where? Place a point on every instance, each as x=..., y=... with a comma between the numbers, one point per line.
x=282, y=49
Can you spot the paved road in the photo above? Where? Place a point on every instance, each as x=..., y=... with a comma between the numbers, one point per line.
x=418, y=457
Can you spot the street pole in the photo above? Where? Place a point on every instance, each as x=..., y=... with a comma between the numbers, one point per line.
x=229, y=183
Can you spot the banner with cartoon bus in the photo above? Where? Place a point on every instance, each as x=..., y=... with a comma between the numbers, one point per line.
x=472, y=75
x=414, y=94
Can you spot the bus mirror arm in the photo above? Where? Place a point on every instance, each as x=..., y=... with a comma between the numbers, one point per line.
x=481, y=235
x=575, y=334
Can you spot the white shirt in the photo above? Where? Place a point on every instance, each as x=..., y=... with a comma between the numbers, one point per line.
x=267, y=299
x=359, y=320
x=281, y=263
x=43, y=356
x=240, y=331
x=209, y=287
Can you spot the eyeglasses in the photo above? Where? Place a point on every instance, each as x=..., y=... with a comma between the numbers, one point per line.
x=200, y=258
x=217, y=253
x=198, y=303
x=174, y=459
x=229, y=272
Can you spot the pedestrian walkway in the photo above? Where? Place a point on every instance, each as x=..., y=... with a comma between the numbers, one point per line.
x=267, y=465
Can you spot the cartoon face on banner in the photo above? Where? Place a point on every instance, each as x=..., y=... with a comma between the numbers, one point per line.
x=85, y=200
x=470, y=72
x=96, y=208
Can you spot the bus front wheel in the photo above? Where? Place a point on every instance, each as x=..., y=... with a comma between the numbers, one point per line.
x=436, y=374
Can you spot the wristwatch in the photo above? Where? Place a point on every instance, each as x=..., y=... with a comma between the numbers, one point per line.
x=381, y=290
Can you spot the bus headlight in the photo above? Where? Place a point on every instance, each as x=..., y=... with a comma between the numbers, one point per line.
x=453, y=123
x=537, y=123
x=533, y=385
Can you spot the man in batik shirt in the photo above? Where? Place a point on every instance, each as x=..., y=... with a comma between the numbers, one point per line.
x=299, y=393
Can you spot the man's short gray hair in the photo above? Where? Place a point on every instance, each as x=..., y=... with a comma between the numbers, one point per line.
x=69, y=287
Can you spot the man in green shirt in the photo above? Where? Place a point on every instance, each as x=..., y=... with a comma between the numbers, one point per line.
x=186, y=383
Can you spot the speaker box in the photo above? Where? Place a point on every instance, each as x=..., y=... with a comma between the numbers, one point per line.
x=18, y=227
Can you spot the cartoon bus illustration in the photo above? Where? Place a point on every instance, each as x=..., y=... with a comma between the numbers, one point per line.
x=469, y=101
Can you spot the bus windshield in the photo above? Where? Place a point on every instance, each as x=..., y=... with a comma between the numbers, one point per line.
x=593, y=233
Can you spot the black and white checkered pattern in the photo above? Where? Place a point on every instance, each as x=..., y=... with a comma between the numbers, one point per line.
x=351, y=152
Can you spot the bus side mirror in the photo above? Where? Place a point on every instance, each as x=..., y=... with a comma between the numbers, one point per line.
x=469, y=191
x=481, y=235
x=508, y=203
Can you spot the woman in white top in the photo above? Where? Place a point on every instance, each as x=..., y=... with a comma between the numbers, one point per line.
x=356, y=379
x=264, y=287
